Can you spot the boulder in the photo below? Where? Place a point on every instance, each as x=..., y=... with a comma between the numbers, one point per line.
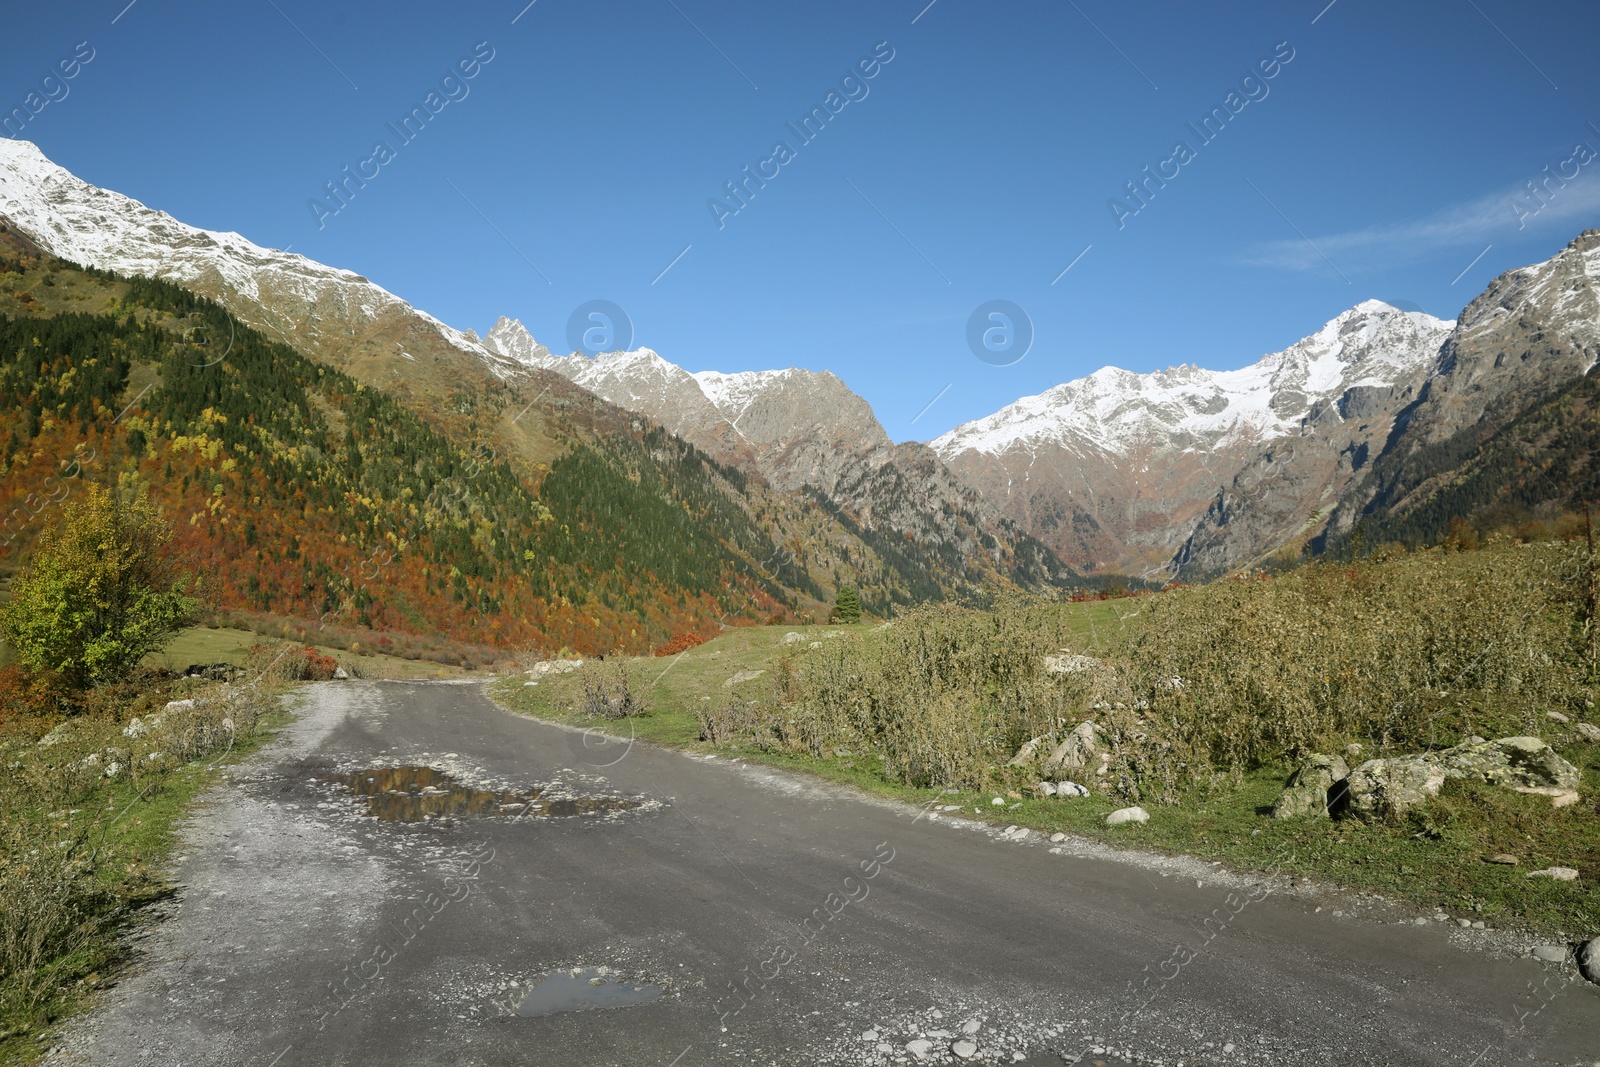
x=1069, y=663
x=1077, y=751
x=1127, y=815
x=1383, y=787
x=1510, y=761
x=1029, y=751
x=1589, y=732
x=1589, y=960
x=1071, y=789
x=1316, y=790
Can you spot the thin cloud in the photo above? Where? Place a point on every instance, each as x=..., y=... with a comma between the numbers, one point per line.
x=1490, y=218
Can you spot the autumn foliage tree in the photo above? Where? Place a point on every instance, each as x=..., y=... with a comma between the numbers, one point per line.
x=100, y=594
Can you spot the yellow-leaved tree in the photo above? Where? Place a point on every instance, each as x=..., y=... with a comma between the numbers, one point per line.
x=100, y=593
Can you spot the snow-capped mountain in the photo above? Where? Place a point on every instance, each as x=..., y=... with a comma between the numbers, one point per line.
x=1533, y=331
x=1116, y=412
x=337, y=314
x=1114, y=470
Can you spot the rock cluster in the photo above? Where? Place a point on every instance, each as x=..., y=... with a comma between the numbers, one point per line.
x=1325, y=786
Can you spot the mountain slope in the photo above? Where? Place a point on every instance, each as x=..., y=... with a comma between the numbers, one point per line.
x=803, y=430
x=1532, y=333
x=1116, y=469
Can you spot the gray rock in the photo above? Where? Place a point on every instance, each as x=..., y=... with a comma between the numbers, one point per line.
x=964, y=1049
x=1560, y=874
x=1589, y=960
x=1127, y=815
x=1315, y=790
x=1077, y=751
x=1510, y=761
x=742, y=676
x=919, y=1047
x=971, y=1026
x=1028, y=752
x=1045, y=789
x=1071, y=789
x=1550, y=953
x=1557, y=716
x=1380, y=788
x=1069, y=663
x=1589, y=732
x=340, y=674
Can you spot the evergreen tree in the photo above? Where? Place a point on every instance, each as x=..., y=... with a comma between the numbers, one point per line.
x=848, y=605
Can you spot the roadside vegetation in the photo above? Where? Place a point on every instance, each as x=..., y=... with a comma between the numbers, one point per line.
x=1205, y=700
x=99, y=753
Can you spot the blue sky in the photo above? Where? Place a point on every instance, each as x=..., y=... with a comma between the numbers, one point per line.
x=1381, y=160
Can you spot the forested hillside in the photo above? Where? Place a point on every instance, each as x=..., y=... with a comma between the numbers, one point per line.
x=305, y=496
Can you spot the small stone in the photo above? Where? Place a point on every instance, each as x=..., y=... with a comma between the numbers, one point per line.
x=1057, y=838
x=998, y=802
x=964, y=1049
x=1127, y=815
x=885, y=1047
x=1550, y=953
x=1589, y=732
x=1420, y=921
x=1505, y=858
x=1465, y=924
x=1560, y=874
x=920, y=1047
x=1045, y=789
x=869, y=1035
x=1479, y=924
x=971, y=1026
x=1228, y=1047
x=1557, y=716
x=340, y=674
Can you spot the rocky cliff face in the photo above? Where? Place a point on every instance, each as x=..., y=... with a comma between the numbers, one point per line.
x=1117, y=470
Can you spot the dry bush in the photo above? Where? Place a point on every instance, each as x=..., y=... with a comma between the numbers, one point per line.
x=1403, y=653
x=608, y=693
x=940, y=695
x=1399, y=653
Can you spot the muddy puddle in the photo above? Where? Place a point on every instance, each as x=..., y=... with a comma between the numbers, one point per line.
x=413, y=794
x=582, y=990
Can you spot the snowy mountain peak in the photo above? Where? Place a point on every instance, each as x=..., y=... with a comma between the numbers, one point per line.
x=1116, y=411
x=95, y=227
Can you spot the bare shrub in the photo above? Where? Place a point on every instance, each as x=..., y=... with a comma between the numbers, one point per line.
x=608, y=693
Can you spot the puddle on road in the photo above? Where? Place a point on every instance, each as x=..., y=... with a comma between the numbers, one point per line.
x=582, y=990
x=413, y=794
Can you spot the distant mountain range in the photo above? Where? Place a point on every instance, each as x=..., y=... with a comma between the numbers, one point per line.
x=1182, y=472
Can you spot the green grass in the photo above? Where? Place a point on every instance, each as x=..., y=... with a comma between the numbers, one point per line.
x=1436, y=858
